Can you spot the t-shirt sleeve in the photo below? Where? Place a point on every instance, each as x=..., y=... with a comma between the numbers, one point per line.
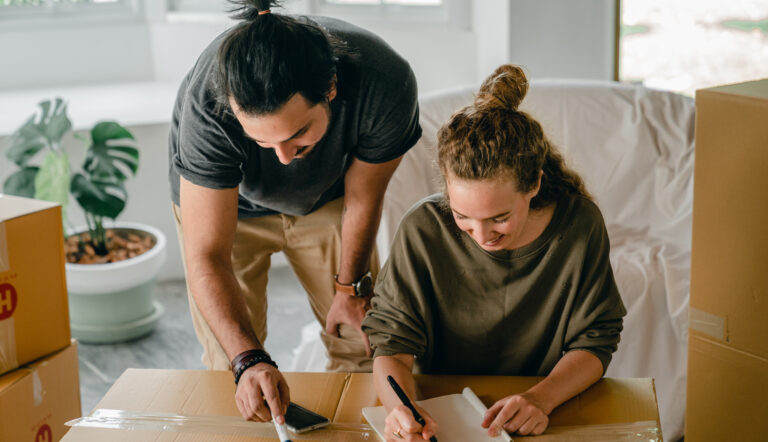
x=207, y=155
x=391, y=122
x=395, y=323
x=596, y=320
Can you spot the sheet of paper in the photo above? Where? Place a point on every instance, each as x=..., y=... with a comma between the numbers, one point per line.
x=457, y=416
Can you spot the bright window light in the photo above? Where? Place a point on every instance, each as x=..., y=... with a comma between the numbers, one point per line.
x=686, y=45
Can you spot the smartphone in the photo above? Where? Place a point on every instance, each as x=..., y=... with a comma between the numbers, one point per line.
x=300, y=420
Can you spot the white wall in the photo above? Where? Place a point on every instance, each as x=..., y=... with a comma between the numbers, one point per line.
x=563, y=39
x=552, y=38
x=75, y=55
x=440, y=56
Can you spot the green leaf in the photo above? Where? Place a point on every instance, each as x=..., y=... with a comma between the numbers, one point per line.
x=109, y=130
x=25, y=143
x=52, y=182
x=100, y=198
x=747, y=25
x=43, y=129
x=626, y=30
x=105, y=162
x=57, y=124
x=22, y=182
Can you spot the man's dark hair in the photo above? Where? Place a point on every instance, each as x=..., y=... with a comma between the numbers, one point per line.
x=267, y=58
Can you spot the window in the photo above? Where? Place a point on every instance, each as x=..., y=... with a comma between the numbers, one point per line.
x=357, y=11
x=69, y=10
x=212, y=6
x=429, y=11
x=692, y=44
x=388, y=2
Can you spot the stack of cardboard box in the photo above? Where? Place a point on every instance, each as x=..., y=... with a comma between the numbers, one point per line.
x=39, y=387
x=727, y=348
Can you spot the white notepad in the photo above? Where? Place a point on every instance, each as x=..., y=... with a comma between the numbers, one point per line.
x=457, y=415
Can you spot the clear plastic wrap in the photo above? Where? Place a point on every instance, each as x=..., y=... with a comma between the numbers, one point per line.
x=219, y=425
x=645, y=431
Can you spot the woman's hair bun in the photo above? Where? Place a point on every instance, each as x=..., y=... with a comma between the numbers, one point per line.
x=505, y=88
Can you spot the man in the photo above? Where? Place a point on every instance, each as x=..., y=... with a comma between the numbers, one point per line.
x=284, y=137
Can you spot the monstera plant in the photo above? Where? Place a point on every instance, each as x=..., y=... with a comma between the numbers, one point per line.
x=111, y=265
x=99, y=188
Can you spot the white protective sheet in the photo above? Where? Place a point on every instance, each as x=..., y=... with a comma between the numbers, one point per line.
x=634, y=148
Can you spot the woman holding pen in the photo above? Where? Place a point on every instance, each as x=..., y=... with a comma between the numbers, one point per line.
x=506, y=273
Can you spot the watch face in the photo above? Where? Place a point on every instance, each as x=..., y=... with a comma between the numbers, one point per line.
x=365, y=285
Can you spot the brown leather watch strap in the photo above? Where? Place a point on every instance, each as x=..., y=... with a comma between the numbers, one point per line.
x=347, y=289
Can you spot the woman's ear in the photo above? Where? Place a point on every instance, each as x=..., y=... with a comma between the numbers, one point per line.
x=332, y=91
x=535, y=190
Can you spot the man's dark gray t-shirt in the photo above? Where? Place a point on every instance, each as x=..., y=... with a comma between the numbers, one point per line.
x=374, y=117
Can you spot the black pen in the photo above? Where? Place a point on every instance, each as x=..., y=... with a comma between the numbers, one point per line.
x=407, y=402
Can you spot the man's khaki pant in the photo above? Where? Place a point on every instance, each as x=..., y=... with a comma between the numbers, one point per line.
x=312, y=245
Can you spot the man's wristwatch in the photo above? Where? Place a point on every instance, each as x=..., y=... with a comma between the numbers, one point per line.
x=361, y=288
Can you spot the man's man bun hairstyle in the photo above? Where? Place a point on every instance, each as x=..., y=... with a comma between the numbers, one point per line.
x=251, y=9
x=267, y=58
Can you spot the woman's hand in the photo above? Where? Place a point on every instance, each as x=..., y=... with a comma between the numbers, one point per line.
x=519, y=413
x=401, y=426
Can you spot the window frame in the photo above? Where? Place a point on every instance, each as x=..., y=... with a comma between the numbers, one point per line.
x=71, y=14
x=452, y=12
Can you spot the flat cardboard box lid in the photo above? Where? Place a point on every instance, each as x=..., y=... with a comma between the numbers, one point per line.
x=341, y=396
x=609, y=401
x=198, y=393
x=756, y=89
x=14, y=206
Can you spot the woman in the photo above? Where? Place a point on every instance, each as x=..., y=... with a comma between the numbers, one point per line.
x=506, y=274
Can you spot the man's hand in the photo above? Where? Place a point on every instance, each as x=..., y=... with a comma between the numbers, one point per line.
x=348, y=310
x=257, y=384
x=520, y=413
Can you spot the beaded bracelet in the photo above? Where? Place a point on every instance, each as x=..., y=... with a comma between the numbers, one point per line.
x=248, y=359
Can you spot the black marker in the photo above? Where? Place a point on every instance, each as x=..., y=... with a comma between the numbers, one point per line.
x=407, y=402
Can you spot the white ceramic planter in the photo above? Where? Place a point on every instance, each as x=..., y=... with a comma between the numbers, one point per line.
x=115, y=302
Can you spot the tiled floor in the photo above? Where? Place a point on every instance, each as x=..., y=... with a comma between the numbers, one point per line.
x=173, y=344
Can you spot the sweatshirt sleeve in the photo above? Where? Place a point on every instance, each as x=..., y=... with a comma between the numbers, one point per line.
x=396, y=322
x=596, y=320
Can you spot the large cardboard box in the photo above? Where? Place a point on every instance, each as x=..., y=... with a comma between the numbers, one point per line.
x=144, y=400
x=34, y=316
x=36, y=400
x=727, y=347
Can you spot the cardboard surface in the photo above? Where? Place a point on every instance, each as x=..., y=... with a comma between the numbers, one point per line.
x=199, y=393
x=36, y=400
x=728, y=352
x=725, y=380
x=207, y=397
x=749, y=89
x=34, y=315
x=730, y=240
x=609, y=401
